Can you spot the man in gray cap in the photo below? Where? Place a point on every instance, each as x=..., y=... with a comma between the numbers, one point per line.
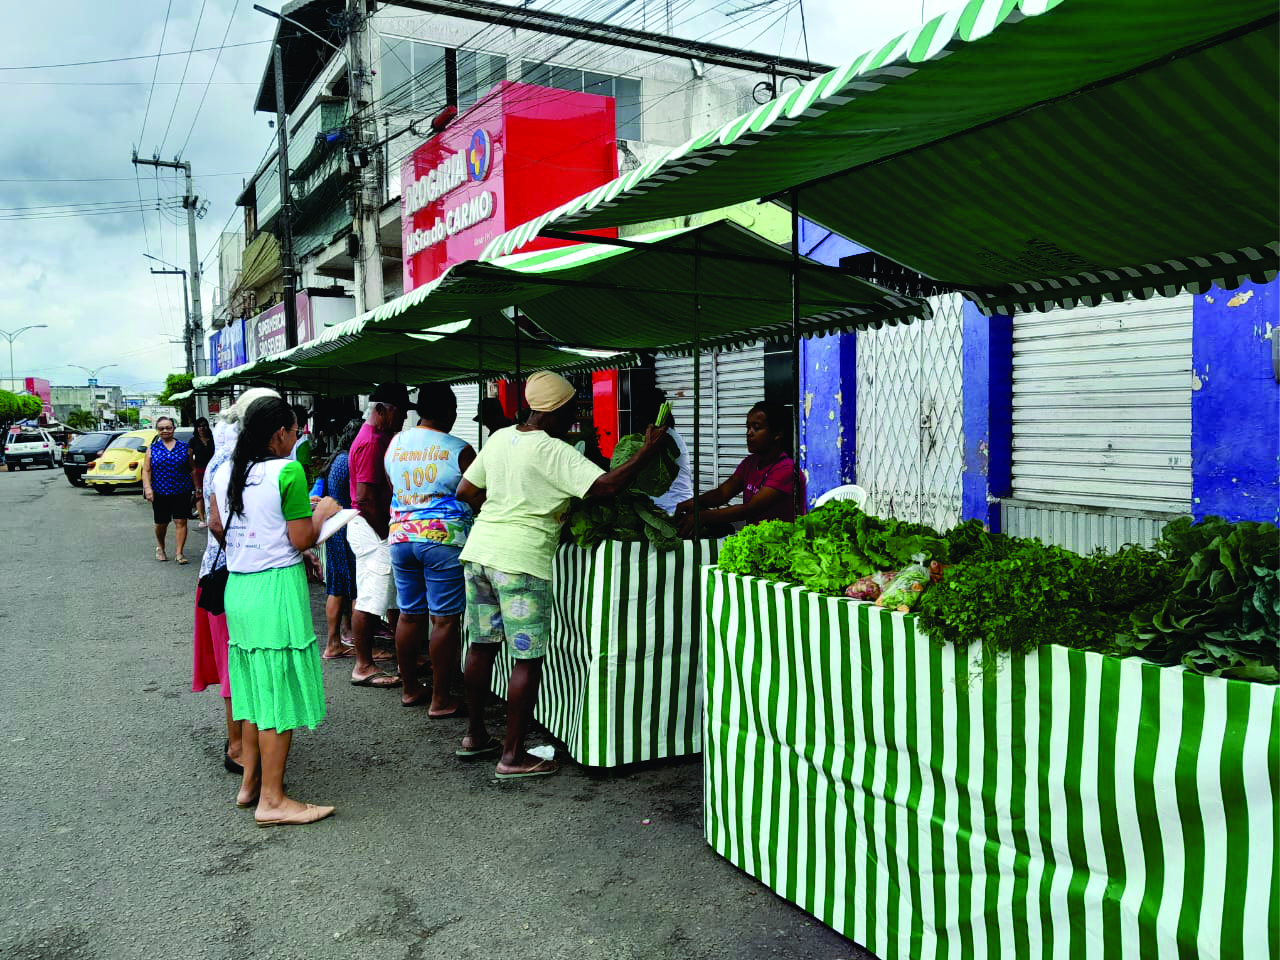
x=520, y=486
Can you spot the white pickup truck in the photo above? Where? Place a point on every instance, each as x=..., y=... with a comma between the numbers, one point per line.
x=29, y=446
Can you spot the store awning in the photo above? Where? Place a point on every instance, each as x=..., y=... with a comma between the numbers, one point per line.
x=588, y=297
x=1026, y=151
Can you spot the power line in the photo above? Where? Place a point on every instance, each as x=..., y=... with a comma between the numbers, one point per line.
x=171, y=53
x=146, y=113
x=177, y=98
x=200, y=105
x=233, y=173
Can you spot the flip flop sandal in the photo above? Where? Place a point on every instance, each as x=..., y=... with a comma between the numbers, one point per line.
x=370, y=681
x=423, y=700
x=493, y=746
x=160, y=556
x=312, y=814
x=456, y=713
x=543, y=768
x=346, y=654
x=183, y=561
x=227, y=763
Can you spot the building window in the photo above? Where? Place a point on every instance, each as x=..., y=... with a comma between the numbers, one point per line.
x=422, y=77
x=624, y=90
x=478, y=73
x=413, y=76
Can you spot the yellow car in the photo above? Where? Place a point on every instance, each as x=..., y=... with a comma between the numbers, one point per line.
x=120, y=464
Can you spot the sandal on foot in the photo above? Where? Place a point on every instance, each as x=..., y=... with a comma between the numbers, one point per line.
x=227, y=763
x=421, y=700
x=183, y=561
x=456, y=713
x=372, y=680
x=543, y=768
x=346, y=654
x=467, y=753
x=311, y=814
x=160, y=555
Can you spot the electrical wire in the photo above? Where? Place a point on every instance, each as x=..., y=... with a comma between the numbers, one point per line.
x=202, y=176
x=216, y=60
x=177, y=97
x=146, y=113
x=171, y=53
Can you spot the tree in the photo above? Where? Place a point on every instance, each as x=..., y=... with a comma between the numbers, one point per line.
x=128, y=415
x=179, y=383
x=10, y=410
x=79, y=419
x=29, y=406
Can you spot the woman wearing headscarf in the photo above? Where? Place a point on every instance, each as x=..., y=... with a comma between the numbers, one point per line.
x=209, y=645
x=261, y=512
x=166, y=483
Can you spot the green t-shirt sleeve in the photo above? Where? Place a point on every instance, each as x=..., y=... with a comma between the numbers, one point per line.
x=304, y=453
x=295, y=499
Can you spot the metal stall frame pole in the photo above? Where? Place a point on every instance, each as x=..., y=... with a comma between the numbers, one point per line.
x=480, y=391
x=797, y=489
x=515, y=322
x=697, y=411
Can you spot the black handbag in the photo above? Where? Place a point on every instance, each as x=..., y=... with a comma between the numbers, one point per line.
x=213, y=588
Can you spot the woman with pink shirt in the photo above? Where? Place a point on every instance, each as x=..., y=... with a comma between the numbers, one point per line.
x=766, y=479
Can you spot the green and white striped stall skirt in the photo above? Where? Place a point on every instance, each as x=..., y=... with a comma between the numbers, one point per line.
x=621, y=680
x=1071, y=805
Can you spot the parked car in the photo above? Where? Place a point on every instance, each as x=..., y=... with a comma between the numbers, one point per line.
x=120, y=464
x=83, y=450
x=30, y=446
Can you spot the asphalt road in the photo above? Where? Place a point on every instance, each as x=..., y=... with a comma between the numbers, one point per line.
x=119, y=836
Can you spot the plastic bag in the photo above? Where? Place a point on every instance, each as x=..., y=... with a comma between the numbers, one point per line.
x=907, y=587
x=870, y=588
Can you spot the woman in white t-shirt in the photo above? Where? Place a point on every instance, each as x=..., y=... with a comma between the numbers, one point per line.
x=261, y=512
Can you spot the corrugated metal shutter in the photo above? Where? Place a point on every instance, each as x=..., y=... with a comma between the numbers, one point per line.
x=1102, y=406
x=732, y=383
x=466, y=428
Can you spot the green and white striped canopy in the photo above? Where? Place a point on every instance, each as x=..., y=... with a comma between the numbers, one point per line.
x=593, y=297
x=1031, y=152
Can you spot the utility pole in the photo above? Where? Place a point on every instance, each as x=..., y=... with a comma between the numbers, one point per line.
x=367, y=196
x=194, y=330
x=288, y=270
x=187, y=340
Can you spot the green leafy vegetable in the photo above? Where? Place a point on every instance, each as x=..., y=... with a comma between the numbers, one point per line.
x=656, y=476
x=1222, y=615
x=629, y=516
x=760, y=550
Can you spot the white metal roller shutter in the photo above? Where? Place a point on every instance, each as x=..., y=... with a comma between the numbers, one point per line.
x=1102, y=406
x=732, y=383
x=465, y=428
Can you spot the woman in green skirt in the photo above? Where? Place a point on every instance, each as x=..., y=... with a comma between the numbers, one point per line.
x=261, y=512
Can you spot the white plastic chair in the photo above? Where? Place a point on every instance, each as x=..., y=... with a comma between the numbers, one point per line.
x=849, y=491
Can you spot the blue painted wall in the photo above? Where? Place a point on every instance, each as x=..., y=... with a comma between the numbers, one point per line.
x=828, y=376
x=988, y=415
x=1235, y=404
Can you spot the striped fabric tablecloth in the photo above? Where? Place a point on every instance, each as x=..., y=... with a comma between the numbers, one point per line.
x=1071, y=805
x=621, y=679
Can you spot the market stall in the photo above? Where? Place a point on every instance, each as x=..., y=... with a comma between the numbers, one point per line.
x=621, y=683
x=931, y=800
x=1070, y=804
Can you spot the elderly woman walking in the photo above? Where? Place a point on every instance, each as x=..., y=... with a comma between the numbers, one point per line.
x=209, y=639
x=166, y=483
x=260, y=511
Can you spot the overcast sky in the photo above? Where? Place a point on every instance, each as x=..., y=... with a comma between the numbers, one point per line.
x=71, y=253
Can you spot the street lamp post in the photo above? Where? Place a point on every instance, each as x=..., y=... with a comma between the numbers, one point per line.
x=93, y=381
x=12, y=336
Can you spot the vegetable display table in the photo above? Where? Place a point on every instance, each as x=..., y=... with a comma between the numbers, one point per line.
x=1070, y=805
x=621, y=679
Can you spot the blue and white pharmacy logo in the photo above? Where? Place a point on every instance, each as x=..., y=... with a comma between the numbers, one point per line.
x=480, y=155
